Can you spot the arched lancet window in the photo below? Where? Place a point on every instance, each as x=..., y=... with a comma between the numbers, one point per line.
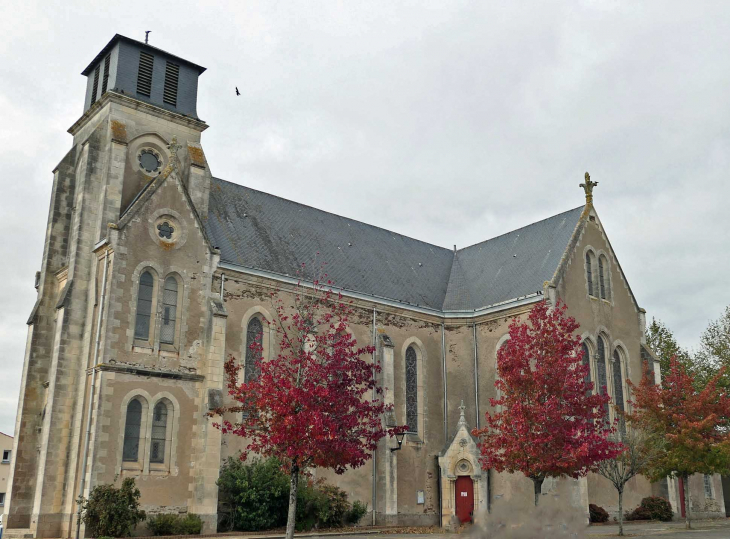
x=144, y=306
x=130, y=451
x=618, y=386
x=604, y=277
x=169, y=311
x=587, y=362
x=411, y=389
x=254, y=333
x=159, y=431
x=601, y=369
x=589, y=274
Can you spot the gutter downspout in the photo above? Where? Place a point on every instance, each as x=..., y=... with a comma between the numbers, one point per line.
x=82, y=483
x=443, y=362
x=375, y=451
x=476, y=376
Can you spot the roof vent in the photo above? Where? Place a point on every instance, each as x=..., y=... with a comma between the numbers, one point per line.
x=172, y=74
x=144, y=74
x=105, y=80
x=95, y=87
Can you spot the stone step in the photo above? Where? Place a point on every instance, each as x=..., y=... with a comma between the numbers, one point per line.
x=17, y=533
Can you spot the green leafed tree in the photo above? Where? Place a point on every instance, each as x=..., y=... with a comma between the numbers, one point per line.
x=714, y=353
x=662, y=341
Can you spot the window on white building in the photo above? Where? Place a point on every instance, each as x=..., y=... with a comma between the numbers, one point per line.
x=709, y=490
x=6, y=456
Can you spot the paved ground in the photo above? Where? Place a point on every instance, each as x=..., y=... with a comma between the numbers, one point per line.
x=675, y=530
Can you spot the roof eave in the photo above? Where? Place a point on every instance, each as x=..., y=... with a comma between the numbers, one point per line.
x=447, y=314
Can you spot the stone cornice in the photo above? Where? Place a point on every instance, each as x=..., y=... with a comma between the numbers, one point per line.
x=130, y=102
x=139, y=371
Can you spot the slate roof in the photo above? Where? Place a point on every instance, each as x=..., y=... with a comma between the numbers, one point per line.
x=260, y=231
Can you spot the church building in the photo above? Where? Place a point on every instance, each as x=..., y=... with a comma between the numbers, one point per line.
x=154, y=272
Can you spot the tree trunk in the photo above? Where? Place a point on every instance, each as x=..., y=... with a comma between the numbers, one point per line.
x=537, y=482
x=621, y=512
x=685, y=484
x=293, y=486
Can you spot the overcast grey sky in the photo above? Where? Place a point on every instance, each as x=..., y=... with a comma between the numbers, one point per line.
x=451, y=122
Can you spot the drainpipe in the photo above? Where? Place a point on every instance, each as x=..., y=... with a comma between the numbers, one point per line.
x=441, y=506
x=476, y=375
x=85, y=458
x=443, y=363
x=223, y=282
x=375, y=460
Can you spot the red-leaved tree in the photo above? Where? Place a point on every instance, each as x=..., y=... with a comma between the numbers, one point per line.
x=316, y=404
x=691, y=428
x=547, y=422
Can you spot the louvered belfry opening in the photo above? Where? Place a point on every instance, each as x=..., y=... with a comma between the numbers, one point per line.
x=144, y=75
x=105, y=80
x=95, y=87
x=172, y=74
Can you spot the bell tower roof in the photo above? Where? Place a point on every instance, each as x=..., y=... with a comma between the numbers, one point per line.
x=143, y=72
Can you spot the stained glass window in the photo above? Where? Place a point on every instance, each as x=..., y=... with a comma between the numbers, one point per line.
x=144, y=306
x=600, y=277
x=254, y=333
x=166, y=230
x=130, y=451
x=605, y=278
x=587, y=362
x=618, y=388
x=601, y=369
x=589, y=274
x=159, y=428
x=411, y=390
x=169, y=311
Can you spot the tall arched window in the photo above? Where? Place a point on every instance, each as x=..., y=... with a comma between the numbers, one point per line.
x=412, y=390
x=604, y=277
x=159, y=431
x=144, y=306
x=589, y=273
x=130, y=451
x=169, y=311
x=618, y=385
x=587, y=362
x=601, y=369
x=254, y=333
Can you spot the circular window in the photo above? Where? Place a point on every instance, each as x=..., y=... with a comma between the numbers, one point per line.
x=149, y=160
x=167, y=230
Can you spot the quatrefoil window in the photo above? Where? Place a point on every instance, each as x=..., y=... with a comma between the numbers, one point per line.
x=165, y=230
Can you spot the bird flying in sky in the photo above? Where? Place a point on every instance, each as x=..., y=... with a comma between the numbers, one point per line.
x=237, y=92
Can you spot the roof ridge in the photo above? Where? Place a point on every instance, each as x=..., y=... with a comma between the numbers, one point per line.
x=518, y=229
x=335, y=214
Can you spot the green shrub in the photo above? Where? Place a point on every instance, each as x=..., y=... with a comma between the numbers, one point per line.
x=171, y=524
x=652, y=508
x=356, y=512
x=190, y=525
x=253, y=495
x=163, y=524
x=111, y=511
x=597, y=513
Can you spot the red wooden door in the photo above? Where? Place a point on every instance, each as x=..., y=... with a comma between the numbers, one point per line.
x=681, y=496
x=464, y=498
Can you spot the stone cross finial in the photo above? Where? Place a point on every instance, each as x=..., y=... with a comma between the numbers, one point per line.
x=588, y=188
x=462, y=409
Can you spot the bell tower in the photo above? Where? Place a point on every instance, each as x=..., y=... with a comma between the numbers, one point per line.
x=138, y=99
